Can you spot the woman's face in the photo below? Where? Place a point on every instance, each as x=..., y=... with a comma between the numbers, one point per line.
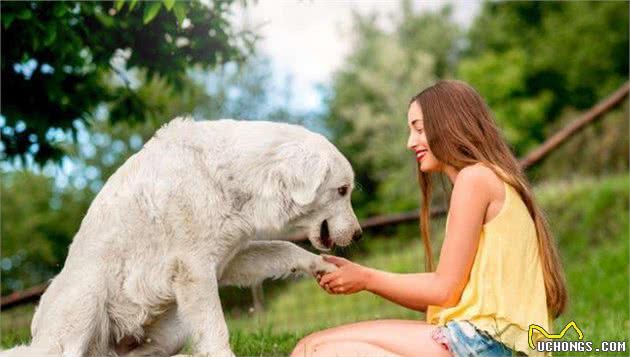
x=417, y=141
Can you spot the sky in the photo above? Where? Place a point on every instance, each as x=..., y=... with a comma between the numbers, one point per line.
x=308, y=40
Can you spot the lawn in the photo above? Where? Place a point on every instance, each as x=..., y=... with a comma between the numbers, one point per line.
x=589, y=218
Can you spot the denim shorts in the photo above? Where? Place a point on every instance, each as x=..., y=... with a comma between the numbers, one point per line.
x=463, y=339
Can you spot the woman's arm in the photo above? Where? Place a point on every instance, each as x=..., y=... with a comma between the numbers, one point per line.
x=469, y=200
x=406, y=289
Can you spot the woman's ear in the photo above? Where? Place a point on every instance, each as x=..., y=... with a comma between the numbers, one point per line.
x=299, y=170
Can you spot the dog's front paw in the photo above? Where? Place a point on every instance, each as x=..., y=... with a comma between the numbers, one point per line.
x=314, y=265
x=319, y=267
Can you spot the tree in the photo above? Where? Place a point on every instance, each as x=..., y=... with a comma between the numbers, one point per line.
x=58, y=57
x=533, y=60
x=36, y=227
x=367, y=105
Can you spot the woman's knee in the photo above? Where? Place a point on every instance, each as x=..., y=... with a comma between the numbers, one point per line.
x=306, y=345
x=301, y=348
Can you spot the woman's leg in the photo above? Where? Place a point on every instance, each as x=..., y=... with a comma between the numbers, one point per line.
x=406, y=338
x=352, y=349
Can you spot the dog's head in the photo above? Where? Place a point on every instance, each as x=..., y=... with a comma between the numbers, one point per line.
x=317, y=181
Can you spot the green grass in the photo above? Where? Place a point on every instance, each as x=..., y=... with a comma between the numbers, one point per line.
x=15, y=325
x=589, y=218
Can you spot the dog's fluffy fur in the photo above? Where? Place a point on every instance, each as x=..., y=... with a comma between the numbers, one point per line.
x=192, y=210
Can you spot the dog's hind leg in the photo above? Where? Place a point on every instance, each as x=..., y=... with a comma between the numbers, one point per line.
x=260, y=260
x=75, y=323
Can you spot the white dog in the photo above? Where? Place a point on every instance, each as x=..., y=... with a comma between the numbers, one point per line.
x=189, y=212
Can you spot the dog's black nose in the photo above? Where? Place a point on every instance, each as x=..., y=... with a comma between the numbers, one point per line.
x=357, y=235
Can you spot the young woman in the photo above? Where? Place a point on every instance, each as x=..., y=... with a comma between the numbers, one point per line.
x=498, y=270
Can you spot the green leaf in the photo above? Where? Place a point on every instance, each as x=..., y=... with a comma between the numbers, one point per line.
x=150, y=11
x=7, y=19
x=180, y=11
x=24, y=14
x=133, y=4
x=51, y=35
x=106, y=20
x=168, y=4
x=118, y=4
x=59, y=10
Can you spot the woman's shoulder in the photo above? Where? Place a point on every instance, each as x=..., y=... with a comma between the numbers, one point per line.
x=488, y=185
x=484, y=176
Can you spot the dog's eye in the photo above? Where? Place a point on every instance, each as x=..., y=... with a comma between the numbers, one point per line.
x=343, y=190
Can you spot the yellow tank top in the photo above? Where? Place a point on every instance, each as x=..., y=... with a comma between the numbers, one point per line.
x=505, y=292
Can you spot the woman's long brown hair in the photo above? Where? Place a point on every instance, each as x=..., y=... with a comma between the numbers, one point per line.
x=461, y=131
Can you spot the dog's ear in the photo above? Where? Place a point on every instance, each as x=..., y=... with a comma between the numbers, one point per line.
x=300, y=170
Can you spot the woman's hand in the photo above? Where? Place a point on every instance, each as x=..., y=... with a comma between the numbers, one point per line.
x=348, y=279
